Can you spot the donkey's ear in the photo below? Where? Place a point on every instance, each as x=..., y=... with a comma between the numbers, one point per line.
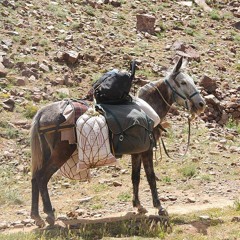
x=178, y=65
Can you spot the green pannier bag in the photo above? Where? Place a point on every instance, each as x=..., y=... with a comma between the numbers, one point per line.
x=131, y=130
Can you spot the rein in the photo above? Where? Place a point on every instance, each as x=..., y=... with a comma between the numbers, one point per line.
x=189, y=120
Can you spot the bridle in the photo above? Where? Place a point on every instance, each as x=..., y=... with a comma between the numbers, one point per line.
x=175, y=92
x=186, y=99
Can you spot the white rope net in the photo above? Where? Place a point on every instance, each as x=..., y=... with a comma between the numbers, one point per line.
x=93, y=147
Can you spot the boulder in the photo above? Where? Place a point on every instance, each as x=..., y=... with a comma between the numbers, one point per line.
x=209, y=84
x=146, y=23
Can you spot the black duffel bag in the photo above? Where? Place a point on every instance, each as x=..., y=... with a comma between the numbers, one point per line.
x=114, y=86
x=131, y=130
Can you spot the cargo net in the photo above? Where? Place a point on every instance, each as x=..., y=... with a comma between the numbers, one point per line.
x=93, y=147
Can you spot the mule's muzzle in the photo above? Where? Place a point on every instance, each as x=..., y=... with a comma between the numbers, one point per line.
x=198, y=108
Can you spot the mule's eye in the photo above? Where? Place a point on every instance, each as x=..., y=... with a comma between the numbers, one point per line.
x=183, y=83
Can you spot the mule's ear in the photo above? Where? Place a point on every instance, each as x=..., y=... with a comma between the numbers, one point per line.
x=185, y=63
x=178, y=65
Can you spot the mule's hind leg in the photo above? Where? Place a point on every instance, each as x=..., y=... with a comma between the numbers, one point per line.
x=136, y=168
x=35, y=204
x=61, y=153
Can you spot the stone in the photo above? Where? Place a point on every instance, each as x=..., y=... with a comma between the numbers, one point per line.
x=44, y=67
x=185, y=50
x=203, y=5
x=117, y=184
x=209, y=84
x=9, y=104
x=7, y=63
x=21, y=81
x=235, y=219
x=146, y=23
x=86, y=199
x=205, y=217
x=237, y=25
x=64, y=91
x=191, y=200
x=185, y=3
x=3, y=71
x=212, y=99
x=69, y=57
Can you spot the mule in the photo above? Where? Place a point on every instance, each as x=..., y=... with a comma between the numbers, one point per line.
x=49, y=153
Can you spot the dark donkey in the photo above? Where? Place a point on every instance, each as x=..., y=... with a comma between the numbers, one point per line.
x=49, y=153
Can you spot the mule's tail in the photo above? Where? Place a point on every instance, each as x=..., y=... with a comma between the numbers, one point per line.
x=36, y=145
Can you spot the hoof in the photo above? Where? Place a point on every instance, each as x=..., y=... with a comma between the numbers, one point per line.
x=40, y=223
x=142, y=210
x=38, y=220
x=50, y=219
x=162, y=212
x=164, y=219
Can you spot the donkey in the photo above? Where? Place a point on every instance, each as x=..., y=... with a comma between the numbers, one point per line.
x=49, y=153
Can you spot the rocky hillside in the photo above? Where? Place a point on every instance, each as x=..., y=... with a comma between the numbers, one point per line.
x=51, y=50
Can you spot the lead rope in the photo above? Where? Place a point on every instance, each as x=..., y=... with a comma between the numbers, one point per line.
x=164, y=146
x=188, y=143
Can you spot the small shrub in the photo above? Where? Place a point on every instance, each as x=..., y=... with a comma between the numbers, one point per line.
x=124, y=197
x=166, y=179
x=189, y=31
x=232, y=124
x=215, y=15
x=11, y=133
x=237, y=204
x=189, y=171
x=30, y=111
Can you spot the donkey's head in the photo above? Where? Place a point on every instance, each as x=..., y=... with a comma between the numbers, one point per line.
x=184, y=90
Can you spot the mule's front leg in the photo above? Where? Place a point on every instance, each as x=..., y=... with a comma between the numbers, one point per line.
x=147, y=159
x=136, y=168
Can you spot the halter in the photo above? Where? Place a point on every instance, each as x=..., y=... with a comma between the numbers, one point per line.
x=175, y=92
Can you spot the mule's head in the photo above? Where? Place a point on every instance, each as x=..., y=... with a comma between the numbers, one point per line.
x=184, y=90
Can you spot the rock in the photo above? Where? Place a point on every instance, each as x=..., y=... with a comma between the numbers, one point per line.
x=69, y=57
x=212, y=99
x=7, y=63
x=64, y=91
x=235, y=219
x=185, y=3
x=191, y=200
x=185, y=50
x=21, y=81
x=237, y=25
x=203, y=5
x=44, y=67
x=146, y=23
x=209, y=84
x=117, y=184
x=205, y=217
x=3, y=225
x=3, y=71
x=115, y=3
x=30, y=72
x=9, y=104
x=86, y=199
